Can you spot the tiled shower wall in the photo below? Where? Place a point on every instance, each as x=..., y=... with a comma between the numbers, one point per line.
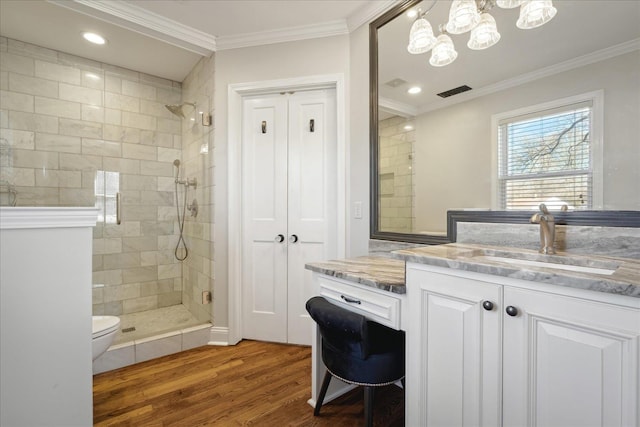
x=197, y=142
x=396, y=175
x=63, y=119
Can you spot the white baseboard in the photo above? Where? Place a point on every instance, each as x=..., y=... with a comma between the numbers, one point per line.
x=219, y=335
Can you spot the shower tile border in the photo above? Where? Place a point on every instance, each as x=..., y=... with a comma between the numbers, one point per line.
x=144, y=349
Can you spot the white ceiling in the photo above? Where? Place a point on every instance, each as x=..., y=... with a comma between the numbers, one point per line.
x=167, y=38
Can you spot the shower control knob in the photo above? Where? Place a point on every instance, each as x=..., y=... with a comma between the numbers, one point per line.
x=280, y=238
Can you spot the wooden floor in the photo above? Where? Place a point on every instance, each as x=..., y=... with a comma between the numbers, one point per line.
x=253, y=383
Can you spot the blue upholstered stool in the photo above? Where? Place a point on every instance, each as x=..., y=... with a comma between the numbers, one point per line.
x=357, y=351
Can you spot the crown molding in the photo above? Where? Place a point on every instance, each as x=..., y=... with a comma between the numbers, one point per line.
x=326, y=29
x=396, y=107
x=560, y=67
x=142, y=21
x=369, y=12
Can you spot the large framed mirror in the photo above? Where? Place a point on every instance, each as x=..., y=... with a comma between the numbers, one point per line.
x=432, y=154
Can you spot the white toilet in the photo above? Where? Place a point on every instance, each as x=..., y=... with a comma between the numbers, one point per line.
x=104, y=331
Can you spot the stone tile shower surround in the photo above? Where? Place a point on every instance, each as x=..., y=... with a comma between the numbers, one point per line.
x=63, y=119
x=395, y=166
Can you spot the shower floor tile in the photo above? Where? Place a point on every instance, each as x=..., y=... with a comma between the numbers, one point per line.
x=154, y=322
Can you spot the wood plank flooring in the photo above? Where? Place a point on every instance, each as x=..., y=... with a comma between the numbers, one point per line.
x=250, y=384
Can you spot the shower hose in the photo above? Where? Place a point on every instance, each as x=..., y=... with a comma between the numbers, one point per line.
x=181, y=225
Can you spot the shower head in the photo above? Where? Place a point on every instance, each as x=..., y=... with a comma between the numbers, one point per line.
x=178, y=109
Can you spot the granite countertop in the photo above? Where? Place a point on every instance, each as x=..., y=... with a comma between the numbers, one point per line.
x=597, y=273
x=379, y=272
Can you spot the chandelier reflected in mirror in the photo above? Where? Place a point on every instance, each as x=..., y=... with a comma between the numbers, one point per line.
x=472, y=16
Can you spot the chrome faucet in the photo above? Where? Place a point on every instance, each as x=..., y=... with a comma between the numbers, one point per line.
x=547, y=229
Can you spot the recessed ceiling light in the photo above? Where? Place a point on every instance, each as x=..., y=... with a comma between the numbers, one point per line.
x=408, y=127
x=412, y=13
x=94, y=38
x=414, y=90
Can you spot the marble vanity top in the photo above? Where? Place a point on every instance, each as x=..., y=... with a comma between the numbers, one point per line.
x=382, y=273
x=603, y=274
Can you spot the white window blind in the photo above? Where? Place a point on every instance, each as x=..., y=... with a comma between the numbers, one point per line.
x=546, y=157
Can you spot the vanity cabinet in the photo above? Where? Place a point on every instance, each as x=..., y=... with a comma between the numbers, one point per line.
x=491, y=351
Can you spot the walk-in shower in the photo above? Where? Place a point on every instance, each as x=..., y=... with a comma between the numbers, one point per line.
x=192, y=208
x=135, y=274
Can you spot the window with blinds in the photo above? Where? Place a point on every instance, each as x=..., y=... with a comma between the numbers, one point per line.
x=546, y=157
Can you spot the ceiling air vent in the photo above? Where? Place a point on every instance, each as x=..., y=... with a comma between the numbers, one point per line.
x=395, y=82
x=454, y=91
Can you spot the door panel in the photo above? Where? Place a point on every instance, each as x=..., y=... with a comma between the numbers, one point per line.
x=459, y=351
x=289, y=188
x=312, y=199
x=264, y=197
x=562, y=355
x=556, y=345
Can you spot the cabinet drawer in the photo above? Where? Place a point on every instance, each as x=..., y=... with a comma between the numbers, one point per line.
x=384, y=309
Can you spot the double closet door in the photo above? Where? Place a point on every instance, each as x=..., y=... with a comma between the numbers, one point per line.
x=289, y=208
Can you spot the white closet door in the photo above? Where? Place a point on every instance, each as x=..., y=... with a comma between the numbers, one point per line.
x=264, y=200
x=289, y=190
x=312, y=213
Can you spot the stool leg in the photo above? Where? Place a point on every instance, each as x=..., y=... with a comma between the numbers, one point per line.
x=368, y=405
x=323, y=391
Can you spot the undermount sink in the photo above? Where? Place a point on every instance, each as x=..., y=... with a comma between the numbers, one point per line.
x=552, y=265
x=578, y=264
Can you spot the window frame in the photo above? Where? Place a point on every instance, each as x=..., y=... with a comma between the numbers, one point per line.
x=596, y=98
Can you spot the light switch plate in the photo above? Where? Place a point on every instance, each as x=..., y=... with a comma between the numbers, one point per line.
x=357, y=210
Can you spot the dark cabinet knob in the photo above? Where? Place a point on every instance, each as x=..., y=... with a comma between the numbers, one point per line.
x=487, y=305
x=279, y=238
x=512, y=311
x=293, y=238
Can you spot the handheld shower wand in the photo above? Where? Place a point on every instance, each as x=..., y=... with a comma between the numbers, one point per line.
x=186, y=182
x=193, y=208
x=176, y=163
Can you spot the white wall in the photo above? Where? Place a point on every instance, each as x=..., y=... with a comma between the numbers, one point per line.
x=455, y=147
x=262, y=63
x=358, y=159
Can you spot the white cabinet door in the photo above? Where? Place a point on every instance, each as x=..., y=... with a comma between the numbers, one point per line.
x=289, y=208
x=569, y=362
x=453, y=353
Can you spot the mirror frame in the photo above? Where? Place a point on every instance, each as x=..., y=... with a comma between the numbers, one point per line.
x=602, y=218
x=375, y=232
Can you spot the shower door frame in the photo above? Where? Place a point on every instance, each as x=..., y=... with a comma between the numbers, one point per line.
x=236, y=92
